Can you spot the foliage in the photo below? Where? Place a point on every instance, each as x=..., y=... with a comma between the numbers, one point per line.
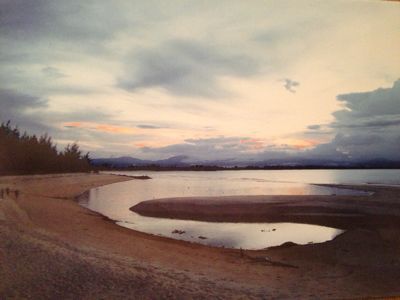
x=23, y=153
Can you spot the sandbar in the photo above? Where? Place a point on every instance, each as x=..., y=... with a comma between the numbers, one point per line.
x=380, y=208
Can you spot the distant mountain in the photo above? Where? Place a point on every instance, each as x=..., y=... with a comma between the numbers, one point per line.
x=120, y=162
x=174, y=160
x=183, y=161
x=127, y=161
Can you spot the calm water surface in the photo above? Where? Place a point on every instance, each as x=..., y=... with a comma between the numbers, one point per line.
x=115, y=200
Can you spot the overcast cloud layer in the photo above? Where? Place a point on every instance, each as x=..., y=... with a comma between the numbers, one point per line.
x=227, y=80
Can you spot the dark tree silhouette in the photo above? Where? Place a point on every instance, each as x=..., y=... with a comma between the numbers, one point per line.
x=24, y=153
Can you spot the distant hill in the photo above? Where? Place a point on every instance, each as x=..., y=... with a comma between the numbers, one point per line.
x=122, y=162
x=184, y=162
x=127, y=161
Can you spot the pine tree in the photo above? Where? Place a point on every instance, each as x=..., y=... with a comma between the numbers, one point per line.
x=24, y=153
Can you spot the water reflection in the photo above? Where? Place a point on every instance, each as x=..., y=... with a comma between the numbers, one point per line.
x=236, y=235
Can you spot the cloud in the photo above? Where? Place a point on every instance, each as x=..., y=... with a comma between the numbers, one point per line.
x=57, y=20
x=22, y=109
x=147, y=126
x=13, y=101
x=43, y=82
x=376, y=122
x=184, y=68
x=52, y=72
x=230, y=150
x=374, y=110
x=220, y=148
x=290, y=85
x=369, y=125
x=367, y=128
x=47, y=33
x=314, y=127
x=380, y=102
x=73, y=61
x=32, y=113
x=107, y=128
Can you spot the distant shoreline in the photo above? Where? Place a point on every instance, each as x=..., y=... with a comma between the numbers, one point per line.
x=195, y=168
x=216, y=168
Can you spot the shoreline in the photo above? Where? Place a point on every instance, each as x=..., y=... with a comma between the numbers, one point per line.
x=58, y=235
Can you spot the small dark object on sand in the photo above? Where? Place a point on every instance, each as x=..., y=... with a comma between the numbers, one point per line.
x=178, y=231
x=274, y=229
x=202, y=237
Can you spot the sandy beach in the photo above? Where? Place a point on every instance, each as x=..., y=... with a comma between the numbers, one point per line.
x=50, y=247
x=379, y=209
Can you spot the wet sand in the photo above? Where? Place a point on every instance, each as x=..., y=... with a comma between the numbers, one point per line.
x=380, y=208
x=52, y=247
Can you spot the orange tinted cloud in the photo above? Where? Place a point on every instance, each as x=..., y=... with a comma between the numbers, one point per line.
x=253, y=144
x=73, y=124
x=100, y=127
x=141, y=145
x=297, y=144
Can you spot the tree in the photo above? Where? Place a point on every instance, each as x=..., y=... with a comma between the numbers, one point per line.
x=24, y=153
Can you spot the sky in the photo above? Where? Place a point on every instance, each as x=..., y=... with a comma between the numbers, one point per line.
x=212, y=80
